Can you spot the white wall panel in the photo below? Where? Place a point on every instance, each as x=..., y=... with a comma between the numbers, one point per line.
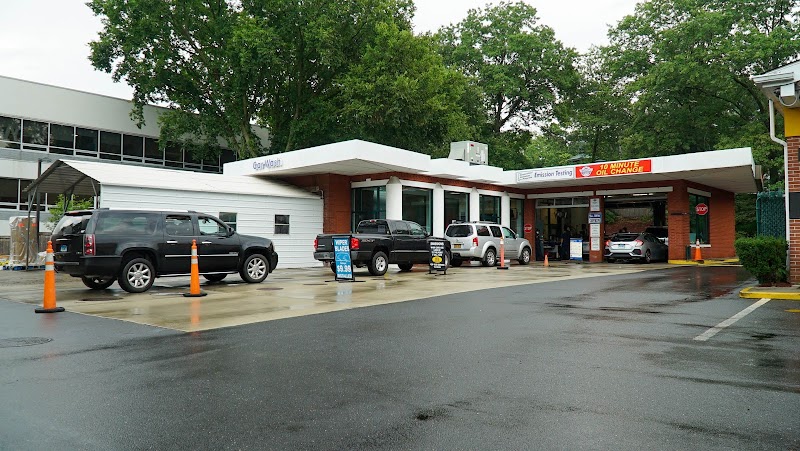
x=255, y=215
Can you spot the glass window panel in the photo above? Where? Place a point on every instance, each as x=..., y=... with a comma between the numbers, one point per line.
x=368, y=203
x=62, y=136
x=173, y=153
x=86, y=139
x=227, y=156
x=518, y=215
x=110, y=144
x=418, y=206
x=699, y=224
x=489, y=208
x=228, y=218
x=34, y=132
x=151, y=149
x=282, y=224
x=10, y=129
x=132, y=146
x=456, y=207
x=9, y=191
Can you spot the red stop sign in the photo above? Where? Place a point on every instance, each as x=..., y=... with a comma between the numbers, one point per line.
x=701, y=209
x=528, y=228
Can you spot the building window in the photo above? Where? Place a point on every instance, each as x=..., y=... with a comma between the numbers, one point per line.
x=456, y=207
x=9, y=193
x=34, y=135
x=518, y=216
x=152, y=154
x=132, y=148
x=281, y=224
x=86, y=141
x=110, y=145
x=9, y=132
x=368, y=203
x=173, y=155
x=418, y=206
x=229, y=219
x=62, y=139
x=698, y=224
x=490, y=208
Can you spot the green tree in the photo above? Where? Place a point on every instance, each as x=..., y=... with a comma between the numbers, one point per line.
x=401, y=94
x=212, y=62
x=686, y=66
x=521, y=69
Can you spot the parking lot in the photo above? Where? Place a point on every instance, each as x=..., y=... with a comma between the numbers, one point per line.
x=286, y=293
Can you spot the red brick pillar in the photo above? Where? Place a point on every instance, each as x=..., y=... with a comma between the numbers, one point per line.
x=793, y=176
x=530, y=218
x=678, y=222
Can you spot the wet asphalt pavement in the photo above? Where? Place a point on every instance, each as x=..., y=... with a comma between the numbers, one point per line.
x=602, y=363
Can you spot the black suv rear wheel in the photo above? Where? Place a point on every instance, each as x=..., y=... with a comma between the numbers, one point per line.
x=98, y=283
x=254, y=269
x=137, y=275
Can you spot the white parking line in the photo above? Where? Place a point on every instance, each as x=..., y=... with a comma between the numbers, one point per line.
x=714, y=330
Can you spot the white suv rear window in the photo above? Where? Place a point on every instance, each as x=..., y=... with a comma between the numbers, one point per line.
x=459, y=231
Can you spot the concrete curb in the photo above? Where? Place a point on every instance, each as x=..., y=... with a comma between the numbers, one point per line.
x=764, y=292
x=725, y=262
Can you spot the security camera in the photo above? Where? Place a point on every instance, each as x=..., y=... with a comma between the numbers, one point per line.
x=788, y=95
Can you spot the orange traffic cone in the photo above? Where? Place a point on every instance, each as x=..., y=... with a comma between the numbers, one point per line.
x=49, y=301
x=698, y=256
x=194, y=285
x=502, y=255
x=546, y=261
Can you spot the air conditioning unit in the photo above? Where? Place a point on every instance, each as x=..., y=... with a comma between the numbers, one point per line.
x=470, y=151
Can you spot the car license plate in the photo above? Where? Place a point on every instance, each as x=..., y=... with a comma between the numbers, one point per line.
x=63, y=248
x=457, y=246
x=620, y=246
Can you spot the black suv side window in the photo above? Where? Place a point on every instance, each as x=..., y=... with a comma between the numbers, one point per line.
x=179, y=225
x=123, y=223
x=209, y=226
x=416, y=229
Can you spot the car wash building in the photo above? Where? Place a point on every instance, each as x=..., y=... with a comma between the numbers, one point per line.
x=689, y=196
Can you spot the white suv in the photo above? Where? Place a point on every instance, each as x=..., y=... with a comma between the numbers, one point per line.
x=481, y=241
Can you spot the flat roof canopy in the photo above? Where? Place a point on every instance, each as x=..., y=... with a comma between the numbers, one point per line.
x=731, y=170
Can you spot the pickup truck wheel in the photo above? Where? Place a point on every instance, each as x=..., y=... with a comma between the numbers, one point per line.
x=137, y=276
x=490, y=259
x=333, y=267
x=405, y=266
x=254, y=269
x=98, y=283
x=379, y=264
x=525, y=256
x=214, y=277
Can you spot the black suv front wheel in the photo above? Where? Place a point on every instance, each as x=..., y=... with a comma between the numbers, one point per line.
x=254, y=269
x=98, y=283
x=137, y=276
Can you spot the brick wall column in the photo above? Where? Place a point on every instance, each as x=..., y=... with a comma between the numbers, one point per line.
x=793, y=177
x=678, y=222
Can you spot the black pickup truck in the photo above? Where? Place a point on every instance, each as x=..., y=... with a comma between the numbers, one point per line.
x=377, y=243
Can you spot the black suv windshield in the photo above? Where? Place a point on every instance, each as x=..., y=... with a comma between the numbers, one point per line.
x=72, y=224
x=459, y=231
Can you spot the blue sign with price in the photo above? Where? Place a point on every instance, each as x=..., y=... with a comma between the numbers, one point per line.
x=344, y=265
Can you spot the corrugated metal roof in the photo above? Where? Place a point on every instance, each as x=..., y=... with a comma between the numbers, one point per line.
x=83, y=174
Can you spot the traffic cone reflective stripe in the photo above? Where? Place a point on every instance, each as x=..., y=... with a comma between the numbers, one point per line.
x=194, y=285
x=49, y=298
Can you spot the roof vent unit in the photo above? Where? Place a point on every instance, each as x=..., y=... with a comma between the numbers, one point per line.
x=470, y=151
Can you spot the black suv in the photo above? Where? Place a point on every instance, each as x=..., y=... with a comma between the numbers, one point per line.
x=135, y=247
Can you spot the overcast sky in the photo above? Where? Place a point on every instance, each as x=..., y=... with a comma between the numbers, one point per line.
x=46, y=40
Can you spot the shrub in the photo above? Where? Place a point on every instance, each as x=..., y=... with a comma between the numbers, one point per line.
x=764, y=257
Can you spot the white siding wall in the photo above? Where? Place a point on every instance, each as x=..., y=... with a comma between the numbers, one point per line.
x=255, y=215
